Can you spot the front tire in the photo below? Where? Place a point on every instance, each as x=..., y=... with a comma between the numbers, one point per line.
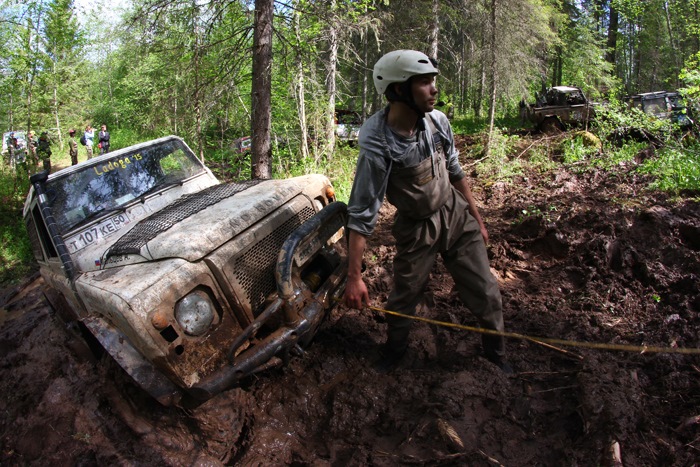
x=551, y=126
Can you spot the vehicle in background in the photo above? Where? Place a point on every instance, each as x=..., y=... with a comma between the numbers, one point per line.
x=242, y=145
x=663, y=105
x=20, y=153
x=347, y=125
x=189, y=284
x=559, y=108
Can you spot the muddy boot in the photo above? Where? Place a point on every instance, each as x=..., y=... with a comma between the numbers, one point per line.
x=392, y=351
x=494, y=351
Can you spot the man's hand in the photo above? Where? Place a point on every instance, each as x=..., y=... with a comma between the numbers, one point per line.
x=485, y=234
x=356, y=294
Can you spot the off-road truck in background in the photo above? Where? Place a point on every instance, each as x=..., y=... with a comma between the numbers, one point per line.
x=189, y=284
x=663, y=105
x=558, y=108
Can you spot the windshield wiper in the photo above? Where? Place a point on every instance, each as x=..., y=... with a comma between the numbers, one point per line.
x=158, y=187
x=96, y=214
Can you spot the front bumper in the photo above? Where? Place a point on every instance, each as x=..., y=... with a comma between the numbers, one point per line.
x=302, y=310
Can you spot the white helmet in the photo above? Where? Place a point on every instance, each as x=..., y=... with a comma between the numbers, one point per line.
x=398, y=67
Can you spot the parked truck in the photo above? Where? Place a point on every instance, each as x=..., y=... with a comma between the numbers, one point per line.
x=559, y=108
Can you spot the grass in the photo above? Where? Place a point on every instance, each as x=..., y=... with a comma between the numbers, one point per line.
x=15, y=252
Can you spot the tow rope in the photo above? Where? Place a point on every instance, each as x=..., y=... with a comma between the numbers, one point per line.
x=642, y=349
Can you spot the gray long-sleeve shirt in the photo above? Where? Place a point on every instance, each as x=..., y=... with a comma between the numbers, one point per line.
x=380, y=149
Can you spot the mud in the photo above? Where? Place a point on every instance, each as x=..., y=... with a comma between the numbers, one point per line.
x=586, y=257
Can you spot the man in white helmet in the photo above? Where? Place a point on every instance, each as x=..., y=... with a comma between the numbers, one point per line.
x=407, y=153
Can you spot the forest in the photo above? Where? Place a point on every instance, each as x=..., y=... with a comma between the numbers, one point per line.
x=150, y=68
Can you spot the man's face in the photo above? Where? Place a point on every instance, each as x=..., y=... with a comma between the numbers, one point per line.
x=424, y=92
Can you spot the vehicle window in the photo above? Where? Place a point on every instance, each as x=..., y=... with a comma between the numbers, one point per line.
x=39, y=235
x=655, y=106
x=34, y=239
x=110, y=184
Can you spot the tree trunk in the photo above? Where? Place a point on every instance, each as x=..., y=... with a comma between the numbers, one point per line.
x=476, y=105
x=434, y=32
x=494, y=74
x=610, y=54
x=197, y=84
x=55, y=104
x=301, y=95
x=261, y=158
x=331, y=84
x=672, y=41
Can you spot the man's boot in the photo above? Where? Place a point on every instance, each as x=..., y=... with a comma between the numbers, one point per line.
x=393, y=350
x=495, y=350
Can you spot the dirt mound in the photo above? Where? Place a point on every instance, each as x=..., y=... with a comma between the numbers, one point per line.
x=585, y=257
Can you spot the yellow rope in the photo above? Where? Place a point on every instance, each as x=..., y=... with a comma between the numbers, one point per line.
x=546, y=340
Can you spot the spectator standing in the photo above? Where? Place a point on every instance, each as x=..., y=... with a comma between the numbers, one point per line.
x=72, y=147
x=103, y=136
x=32, y=161
x=89, y=136
x=11, y=145
x=43, y=150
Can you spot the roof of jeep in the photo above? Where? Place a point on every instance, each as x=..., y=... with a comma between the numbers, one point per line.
x=565, y=88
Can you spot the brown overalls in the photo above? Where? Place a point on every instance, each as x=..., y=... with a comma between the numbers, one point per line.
x=433, y=217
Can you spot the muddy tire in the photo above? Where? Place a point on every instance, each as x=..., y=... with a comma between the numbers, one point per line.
x=551, y=126
x=212, y=433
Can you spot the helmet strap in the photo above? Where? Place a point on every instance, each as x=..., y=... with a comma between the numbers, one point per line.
x=406, y=96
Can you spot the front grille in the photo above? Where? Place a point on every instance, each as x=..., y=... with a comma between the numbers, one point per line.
x=255, y=269
x=181, y=209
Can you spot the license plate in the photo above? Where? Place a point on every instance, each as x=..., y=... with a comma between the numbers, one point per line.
x=96, y=232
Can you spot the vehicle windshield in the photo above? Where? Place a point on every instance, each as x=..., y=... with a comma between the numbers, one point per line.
x=110, y=184
x=655, y=106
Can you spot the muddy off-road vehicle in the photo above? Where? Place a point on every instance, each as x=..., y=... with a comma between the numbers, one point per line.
x=189, y=284
x=663, y=105
x=558, y=108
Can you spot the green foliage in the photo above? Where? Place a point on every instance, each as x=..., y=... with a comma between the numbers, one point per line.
x=229, y=165
x=616, y=123
x=341, y=171
x=548, y=214
x=498, y=165
x=675, y=169
x=578, y=148
x=540, y=159
x=690, y=75
x=617, y=155
x=15, y=251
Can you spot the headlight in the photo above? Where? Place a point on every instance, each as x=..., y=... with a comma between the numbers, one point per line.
x=195, y=313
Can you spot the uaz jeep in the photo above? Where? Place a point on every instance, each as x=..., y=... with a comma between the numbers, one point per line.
x=560, y=107
x=189, y=284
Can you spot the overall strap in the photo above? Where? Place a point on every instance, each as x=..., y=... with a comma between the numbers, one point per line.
x=437, y=139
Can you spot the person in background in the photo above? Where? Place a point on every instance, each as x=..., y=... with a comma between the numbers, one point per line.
x=103, y=140
x=43, y=150
x=11, y=146
x=32, y=161
x=72, y=147
x=89, y=140
x=407, y=152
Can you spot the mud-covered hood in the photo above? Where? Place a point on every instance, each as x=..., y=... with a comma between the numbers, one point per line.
x=193, y=226
x=192, y=229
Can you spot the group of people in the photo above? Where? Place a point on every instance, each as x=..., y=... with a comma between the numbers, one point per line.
x=36, y=150
x=33, y=151
x=88, y=140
